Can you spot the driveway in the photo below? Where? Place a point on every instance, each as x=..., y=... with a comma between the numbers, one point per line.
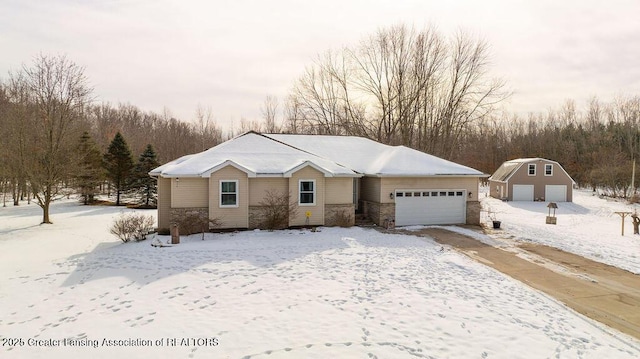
x=604, y=293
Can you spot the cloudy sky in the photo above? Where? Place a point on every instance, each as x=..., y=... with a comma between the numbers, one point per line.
x=229, y=55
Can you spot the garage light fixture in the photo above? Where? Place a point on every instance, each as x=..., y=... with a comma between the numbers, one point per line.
x=391, y=195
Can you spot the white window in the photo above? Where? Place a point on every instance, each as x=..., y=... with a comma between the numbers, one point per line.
x=307, y=192
x=548, y=170
x=228, y=193
x=532, y=169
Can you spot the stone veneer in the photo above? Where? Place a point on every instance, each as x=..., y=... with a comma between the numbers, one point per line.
x=331, y=210
x=473, y=212
x=379, y=213
x=178, y=212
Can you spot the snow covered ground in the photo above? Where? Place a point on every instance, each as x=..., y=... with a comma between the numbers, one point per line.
x=588, y=227
x=72, y=290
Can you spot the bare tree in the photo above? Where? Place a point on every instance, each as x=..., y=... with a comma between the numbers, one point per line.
x=58, y=91
x=269, y=111
x=206, y=128
x=399, y=86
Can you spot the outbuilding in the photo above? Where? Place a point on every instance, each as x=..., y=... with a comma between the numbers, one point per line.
x=531, y=179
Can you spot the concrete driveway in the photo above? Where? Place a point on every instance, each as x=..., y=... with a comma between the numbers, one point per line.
x=604, y=293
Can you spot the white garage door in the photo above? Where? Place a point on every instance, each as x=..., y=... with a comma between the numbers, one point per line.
x=523, y=192
x=555, y=193
x=430, y=207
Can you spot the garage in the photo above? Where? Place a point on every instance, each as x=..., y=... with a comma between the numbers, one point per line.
x=523, y=192
x=415, y=207
x=555, y=193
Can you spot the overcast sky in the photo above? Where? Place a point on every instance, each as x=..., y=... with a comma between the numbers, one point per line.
x=229, y=55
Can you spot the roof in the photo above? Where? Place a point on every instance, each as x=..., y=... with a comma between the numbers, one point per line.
x=376, y=159
x=268, y=155
x=508, y=168
x=254, y=154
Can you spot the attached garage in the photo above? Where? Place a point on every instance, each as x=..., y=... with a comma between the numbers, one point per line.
x=522, y=192
x=555, y=193
x=430, y=207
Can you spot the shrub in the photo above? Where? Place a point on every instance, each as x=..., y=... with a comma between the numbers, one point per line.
x=275, y=210
x=132, y=226
x=192, y=222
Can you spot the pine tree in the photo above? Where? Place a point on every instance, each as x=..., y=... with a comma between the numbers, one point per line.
x=119, y=165
x=91, y=171
x=146, y=185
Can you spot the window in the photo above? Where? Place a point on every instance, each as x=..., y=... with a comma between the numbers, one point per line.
x=548, y=170
x=532, y=169
x=458, y=194
x=307, y=192
x=399, y=194
x=228, y=193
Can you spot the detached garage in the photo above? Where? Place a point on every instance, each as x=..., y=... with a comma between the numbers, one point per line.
x=531, y=179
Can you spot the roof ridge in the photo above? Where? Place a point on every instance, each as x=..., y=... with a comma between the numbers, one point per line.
x=305, y=151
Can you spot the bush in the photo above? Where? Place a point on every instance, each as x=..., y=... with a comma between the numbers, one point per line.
x=275, y=210
x=192, y=222
x=132, y=226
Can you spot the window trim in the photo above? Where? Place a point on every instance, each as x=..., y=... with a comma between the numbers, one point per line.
x=531, y=165
x=300, y=192
x=220, y=193
x=548, y=165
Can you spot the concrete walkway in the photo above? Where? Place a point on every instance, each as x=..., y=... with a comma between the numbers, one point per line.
x=604, y=293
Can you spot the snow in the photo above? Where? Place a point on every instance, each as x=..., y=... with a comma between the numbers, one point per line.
x=588, y=226
x=251, y=152
x=370, y=157
x=346, y=156
x=336, y=292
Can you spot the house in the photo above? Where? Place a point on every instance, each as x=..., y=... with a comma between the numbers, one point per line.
x=531, y=179
x=324, y=175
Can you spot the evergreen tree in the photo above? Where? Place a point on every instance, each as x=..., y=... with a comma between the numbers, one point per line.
x=146, y=186
x=119, y=165
x=91, y=171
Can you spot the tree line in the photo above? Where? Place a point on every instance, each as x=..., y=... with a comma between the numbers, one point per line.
x=55, y=139
x=596, y=144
